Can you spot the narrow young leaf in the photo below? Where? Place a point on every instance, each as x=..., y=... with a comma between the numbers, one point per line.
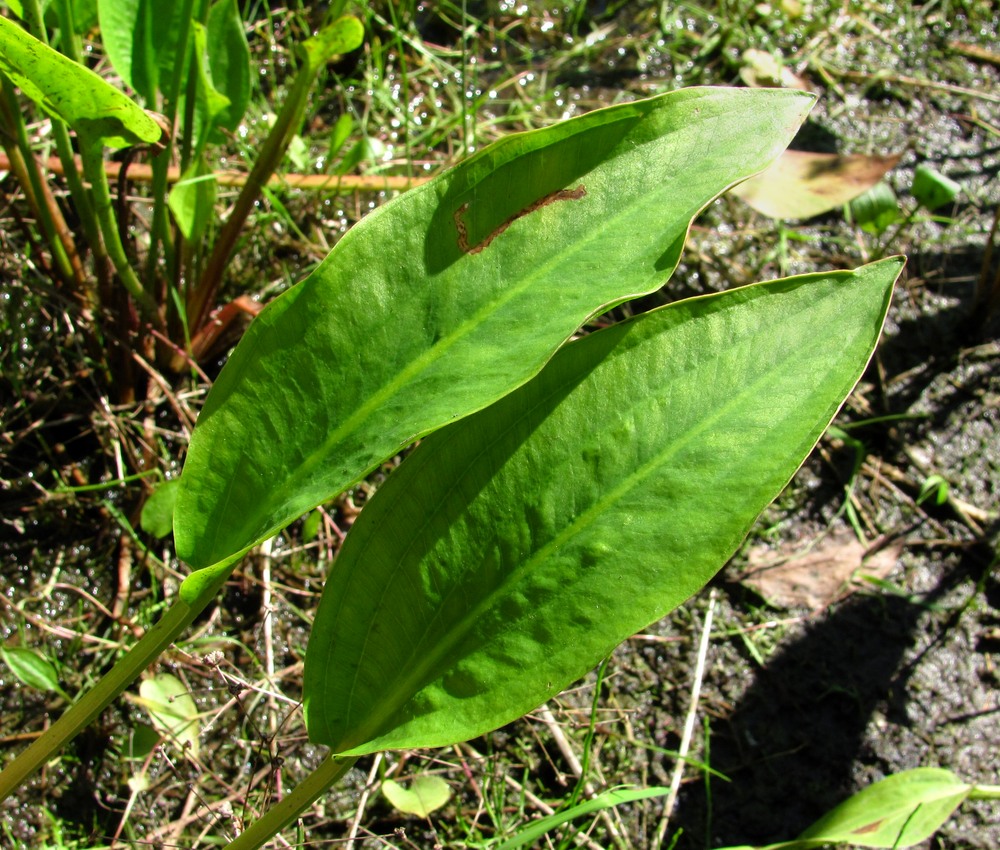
x=32, y=669
x=192, y=199
x=228, y=61
x=515, y=549
x=71, y=92
x=607, y=800
x=450, y=296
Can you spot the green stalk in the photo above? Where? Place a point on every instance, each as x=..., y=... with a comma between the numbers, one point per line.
x=70, y=44
x=985, y=792
x=343, y=35
x=331, y=770
x=93, y=170
x=160, y=235
x=194, y=597
x=202, y=298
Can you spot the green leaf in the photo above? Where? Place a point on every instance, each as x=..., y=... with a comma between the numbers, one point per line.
x=426, y=794
x=171, y=709
x=71, y=92
x=311, y=526
x=142, y=741
x=932, y=189
x=33, y=669
x=606, y=800
x=140, y=38
x=400, y=331
x=513, y=550
x=338, y=138
x=192, y=200
x=84, y=15
x=228, y=62
x=362, y=150
x=342, y=36
x=222, y=60
x=157, y=516
x=876, y=210
x=210, y=102
x=899, y=811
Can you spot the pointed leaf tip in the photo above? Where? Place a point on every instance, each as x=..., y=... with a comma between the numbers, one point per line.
x=513, y=550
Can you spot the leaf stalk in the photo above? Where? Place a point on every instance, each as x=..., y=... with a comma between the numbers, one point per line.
x=330, y=771
x=80, y=715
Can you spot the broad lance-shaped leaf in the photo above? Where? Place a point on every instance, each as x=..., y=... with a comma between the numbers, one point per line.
x=447, y=298
x=514, y=549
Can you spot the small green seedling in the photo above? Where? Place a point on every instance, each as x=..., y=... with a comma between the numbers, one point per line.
x=935, y=489
x=33, y=669
x=878, y=209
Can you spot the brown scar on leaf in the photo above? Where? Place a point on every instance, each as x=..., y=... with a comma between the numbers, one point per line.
x=463, y=234
x=872, y=827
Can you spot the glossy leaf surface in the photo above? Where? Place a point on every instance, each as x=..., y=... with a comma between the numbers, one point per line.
x=71, y=92
x=445, y=299
x=515, y=549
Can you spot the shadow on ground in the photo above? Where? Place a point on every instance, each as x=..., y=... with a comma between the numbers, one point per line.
x=846, y=704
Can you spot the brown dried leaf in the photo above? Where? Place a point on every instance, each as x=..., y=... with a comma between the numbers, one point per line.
x=800, y=184
x=818, y=578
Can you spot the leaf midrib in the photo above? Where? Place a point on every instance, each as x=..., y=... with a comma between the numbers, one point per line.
x=424, y=361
